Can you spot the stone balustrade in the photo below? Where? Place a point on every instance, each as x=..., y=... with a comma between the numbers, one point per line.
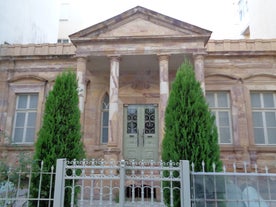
x=69, y=49
x=246, y=45
x=17, y=50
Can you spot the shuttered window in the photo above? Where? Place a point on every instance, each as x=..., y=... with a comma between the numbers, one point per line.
x=24, y=127
x=219, y=103
x=264, y=117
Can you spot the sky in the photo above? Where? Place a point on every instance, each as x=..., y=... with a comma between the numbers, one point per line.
x=218, y=16
x=37, y=21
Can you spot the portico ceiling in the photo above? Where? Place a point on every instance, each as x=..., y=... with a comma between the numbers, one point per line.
x=134, y=63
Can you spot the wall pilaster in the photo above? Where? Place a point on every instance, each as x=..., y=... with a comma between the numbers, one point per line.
x=199, y=70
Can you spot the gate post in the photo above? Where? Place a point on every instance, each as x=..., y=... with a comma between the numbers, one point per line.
x=185, y=194
x=122, y=183
x=59, y=183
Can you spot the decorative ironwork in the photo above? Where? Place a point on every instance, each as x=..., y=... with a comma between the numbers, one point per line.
x=132, y=120
x=149, y=121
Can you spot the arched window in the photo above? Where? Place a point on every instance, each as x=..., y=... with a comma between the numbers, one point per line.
x=104, y=120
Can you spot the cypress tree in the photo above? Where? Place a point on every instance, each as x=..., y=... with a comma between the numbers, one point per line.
x=60, y=134
x=190, y=131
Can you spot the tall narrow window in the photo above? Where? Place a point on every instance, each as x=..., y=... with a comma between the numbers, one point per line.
x=25, y=119
x=219, y=103
x=264, y=117
x=105, y=117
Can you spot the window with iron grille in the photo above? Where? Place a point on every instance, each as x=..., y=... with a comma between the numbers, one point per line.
x=264, y=117
x=24, y=126
x=105, y=118
x=219, y=103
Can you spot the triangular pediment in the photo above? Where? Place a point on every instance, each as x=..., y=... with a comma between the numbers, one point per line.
x=140, y=27
x=140, y=22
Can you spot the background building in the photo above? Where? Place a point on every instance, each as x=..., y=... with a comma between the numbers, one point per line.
x=28, y=21
x=257, y=18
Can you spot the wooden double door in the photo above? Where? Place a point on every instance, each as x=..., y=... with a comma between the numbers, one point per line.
x=140, y=132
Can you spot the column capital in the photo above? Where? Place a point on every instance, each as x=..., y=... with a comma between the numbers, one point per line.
x=82, y=58
x=199, y=55
x=116, y=58
x=163, y=57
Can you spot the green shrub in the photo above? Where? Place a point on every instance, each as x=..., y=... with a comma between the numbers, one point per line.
x=60, y=134
x=190, y=131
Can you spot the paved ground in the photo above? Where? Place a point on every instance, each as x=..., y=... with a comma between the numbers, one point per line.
x=127, y=204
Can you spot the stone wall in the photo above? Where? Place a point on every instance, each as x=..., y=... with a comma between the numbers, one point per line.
x=237, y=66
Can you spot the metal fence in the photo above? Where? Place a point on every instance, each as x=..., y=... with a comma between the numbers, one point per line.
x=129, y=183
x=15, y=186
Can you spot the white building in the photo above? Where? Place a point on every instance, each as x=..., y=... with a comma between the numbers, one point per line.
x=29, y=21
x=70, y=19
x=257, y=18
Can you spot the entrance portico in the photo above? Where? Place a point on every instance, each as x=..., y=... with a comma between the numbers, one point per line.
x=136, y=55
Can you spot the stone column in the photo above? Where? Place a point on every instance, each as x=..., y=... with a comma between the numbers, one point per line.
x=199, y=70
x=113, y=102
x=164, y=92
x=81, y=71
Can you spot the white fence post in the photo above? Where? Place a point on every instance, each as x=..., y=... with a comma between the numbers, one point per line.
x=185, y=183
x=59, y=183
x=122, y=183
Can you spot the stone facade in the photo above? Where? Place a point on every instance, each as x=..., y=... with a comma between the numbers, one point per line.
x=133, y=58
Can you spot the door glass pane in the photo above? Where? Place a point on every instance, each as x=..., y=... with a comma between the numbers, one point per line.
x=131, y=120
x=22, y=101
x=255, y=100
x=259, y=135
x=222, y=100
x=149, y=121
x=268, y=100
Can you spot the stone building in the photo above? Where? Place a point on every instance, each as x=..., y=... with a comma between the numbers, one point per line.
x=125, y=67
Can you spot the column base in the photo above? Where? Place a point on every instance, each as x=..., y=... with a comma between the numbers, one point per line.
x=112, y=153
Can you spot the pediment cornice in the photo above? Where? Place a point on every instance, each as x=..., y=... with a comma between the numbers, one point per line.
x=140, y=24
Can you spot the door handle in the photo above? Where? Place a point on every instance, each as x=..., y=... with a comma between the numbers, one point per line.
x=143, y=136
x=137, y=138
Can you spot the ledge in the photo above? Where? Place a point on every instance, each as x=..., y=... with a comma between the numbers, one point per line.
x=37, y=50
x=14, y=147
x=265, y=149
x=230, y=148
x=242, y=45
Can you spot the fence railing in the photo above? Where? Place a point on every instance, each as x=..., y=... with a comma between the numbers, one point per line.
x=129, y=183
x=15, y=186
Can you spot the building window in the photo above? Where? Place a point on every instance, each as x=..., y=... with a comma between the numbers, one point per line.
x=243, y=9
x=219, y=103
x=24, y=127
x=264, y=117
x=63, y=41
x=104, y=121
